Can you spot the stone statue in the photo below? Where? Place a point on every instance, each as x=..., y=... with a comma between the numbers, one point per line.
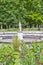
x=20, y=34
x=20, y=26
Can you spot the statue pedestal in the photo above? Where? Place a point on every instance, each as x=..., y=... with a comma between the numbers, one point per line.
x=20, y=35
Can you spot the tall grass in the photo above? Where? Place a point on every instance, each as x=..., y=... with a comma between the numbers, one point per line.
x=16, y=43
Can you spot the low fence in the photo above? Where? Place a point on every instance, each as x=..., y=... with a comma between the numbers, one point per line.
x=28, y=36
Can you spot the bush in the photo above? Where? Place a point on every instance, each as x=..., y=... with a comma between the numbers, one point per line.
x=7, y=55
x=30, y=56
x=16, y=43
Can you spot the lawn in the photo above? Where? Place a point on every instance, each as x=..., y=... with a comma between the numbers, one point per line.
x=23, y=29
x=32, y=29
x=11, y=29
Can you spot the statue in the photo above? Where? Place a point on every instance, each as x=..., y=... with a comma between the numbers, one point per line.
x=20, y=34
x=19, y=26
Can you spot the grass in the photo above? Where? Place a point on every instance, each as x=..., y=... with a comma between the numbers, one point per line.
x=10, y=29
x=32, y=29
x=6, y=44
x=23, y=29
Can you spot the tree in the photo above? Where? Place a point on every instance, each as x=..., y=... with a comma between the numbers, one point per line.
x=26, y=11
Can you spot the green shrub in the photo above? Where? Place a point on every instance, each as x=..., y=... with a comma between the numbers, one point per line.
x=16, y=43
x=7, y=55
x=32, y=55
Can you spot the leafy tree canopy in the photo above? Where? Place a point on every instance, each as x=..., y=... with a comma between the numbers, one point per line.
x=26, y=11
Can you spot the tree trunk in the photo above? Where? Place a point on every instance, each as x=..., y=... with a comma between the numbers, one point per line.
x=6, y=26
x=9, y=26
x=1, y=27
x=39, y=27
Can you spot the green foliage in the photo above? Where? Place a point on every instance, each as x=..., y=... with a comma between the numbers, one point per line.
x=7, y=55
x=27, y=11
x=16, y=43
x=32, y=55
